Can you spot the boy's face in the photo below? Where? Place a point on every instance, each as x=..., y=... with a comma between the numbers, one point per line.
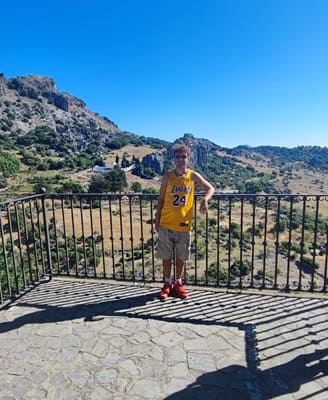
x=181, y=158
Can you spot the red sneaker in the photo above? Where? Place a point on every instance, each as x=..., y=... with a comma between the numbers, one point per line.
x=180, y=290
x=166, y=291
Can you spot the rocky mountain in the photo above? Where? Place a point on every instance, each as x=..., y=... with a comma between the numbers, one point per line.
x=31, y=101
x=44, y=130
x=200, y=154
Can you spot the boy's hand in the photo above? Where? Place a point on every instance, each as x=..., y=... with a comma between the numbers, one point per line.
x=203, y=208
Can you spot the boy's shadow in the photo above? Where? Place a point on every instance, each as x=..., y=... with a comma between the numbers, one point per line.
x=238, y=382
x=59, y=301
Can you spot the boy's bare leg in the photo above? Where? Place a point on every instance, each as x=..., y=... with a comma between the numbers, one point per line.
x=167, y=288
x=167, y=266
x=178, y=286
x=180, y=264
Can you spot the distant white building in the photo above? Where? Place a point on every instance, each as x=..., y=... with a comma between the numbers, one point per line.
x=102, y=169
x=107, y=168
x=129, y=168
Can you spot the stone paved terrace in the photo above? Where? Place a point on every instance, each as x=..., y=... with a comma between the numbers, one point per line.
x=99, y=340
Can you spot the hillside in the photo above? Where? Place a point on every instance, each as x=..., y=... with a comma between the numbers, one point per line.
x=308, y=157
x=52, y=139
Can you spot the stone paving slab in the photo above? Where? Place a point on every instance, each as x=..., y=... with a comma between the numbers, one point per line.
x=92, y=340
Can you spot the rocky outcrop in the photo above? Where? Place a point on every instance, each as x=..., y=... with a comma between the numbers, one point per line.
x=155, y=161
x=31, y=101
x=199, y=149
x=3, y=85
x=59, y=100
x=34, y=87
x=74, y=100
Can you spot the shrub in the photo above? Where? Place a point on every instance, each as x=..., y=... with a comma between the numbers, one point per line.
x=239, y=268
x=9, y=165
x=216, y=272
x=307, y=262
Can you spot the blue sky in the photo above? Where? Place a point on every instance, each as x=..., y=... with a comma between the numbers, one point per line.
x=235, y=72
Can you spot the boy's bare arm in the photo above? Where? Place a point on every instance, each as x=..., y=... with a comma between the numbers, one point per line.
x=207, y=187
x=160, y=201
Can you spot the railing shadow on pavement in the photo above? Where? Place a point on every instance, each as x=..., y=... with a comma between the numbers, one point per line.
x=276, y=329
x=60, y=300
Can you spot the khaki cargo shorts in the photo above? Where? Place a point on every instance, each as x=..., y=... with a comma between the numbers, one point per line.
x=173, y=242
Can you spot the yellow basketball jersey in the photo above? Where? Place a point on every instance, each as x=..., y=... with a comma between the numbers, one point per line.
x=178, y=205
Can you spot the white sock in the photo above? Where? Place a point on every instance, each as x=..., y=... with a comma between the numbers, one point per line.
x=167, y=280
x=178, y=281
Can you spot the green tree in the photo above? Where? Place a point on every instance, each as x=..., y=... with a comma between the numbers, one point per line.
x=99, y=184
x=71, y=187
x=150, y=191
x=117, y=179
x=149, y=173
x=125, y=162
x=113, y=181
x=253, y=187
x=9, y=165
x=216, y=272
x=240, y=268
x=136, y=187
x=281, y=225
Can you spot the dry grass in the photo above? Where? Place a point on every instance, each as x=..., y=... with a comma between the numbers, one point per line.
x=129, y=151
x=117, y=224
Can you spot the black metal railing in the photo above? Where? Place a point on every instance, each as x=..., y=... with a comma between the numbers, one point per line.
x=245, y=241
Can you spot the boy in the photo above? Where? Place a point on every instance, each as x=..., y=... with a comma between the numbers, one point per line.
x=174, y=218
